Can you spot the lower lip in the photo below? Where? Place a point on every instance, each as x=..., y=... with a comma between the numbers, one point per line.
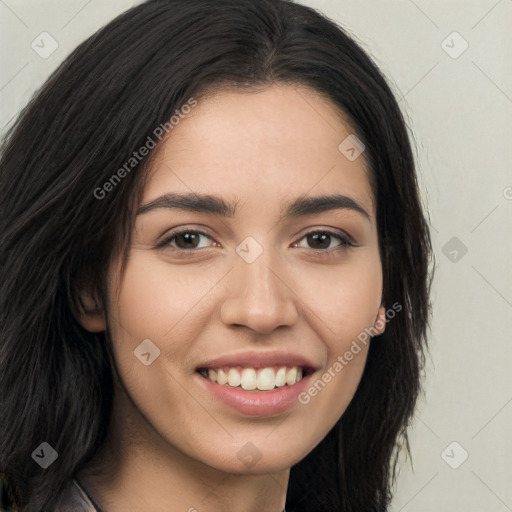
x=257, y=403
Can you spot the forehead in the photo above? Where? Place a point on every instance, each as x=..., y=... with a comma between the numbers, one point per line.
x=271, y=145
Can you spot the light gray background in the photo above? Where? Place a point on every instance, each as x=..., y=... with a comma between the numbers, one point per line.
x=459, y=110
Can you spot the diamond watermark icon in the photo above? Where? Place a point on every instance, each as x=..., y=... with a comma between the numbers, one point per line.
x=454, y=249
x=249, y=250
x=44, y=45
x=44, y=455
x=249, y=455
x=351, y=147
x=147, y=352
x=454, y=45
x=454, y=455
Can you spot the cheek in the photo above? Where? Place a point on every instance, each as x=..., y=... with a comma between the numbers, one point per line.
x=153, y=304
x=344, y=301
x=156, y=299
x=157, y=303
x=344, y=298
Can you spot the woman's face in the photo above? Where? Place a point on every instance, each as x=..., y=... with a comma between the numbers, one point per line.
x=262, y=276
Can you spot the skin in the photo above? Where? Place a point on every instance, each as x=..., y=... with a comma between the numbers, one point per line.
x=171, y=446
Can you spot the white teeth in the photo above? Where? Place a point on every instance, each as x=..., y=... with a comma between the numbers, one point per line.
x=291, y=376
x=266, y=379
x=249, y=379
x=234, y=378
x=281, y=377
x=222, y=378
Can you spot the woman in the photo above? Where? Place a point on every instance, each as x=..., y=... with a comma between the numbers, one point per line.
x=215, y=269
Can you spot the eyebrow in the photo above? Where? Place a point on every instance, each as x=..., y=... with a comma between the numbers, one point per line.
x=207, y=203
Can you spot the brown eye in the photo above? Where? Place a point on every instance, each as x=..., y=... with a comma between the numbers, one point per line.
x=323, y=240
x=186, y=240
x=319, y=240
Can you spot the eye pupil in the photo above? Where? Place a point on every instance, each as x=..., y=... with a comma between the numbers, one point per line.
x=190, y=238
x=321, y=238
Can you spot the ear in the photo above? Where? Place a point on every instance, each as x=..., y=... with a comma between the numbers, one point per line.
x=91, y=313
x=380, y=320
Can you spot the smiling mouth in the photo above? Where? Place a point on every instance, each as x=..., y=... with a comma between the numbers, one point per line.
x=256, y=379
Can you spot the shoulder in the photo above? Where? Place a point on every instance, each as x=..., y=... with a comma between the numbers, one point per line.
x=74, y=499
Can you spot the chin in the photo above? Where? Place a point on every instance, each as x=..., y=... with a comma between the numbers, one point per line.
x=256, y=458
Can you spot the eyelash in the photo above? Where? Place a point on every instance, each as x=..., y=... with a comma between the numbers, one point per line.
x=344, y=241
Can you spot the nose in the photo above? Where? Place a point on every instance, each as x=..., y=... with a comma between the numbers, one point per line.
x=259, y=296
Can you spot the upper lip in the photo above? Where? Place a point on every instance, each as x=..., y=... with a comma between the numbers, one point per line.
x=256, y=359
